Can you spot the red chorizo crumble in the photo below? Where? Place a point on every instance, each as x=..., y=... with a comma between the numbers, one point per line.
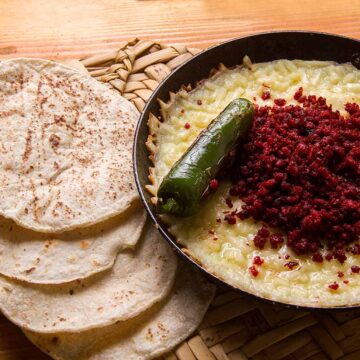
x=346, y=282
x=276, y=240
x=229, y=203
x=199, y=102
x=258, y=260
x=265, y=95
x=230, y=218
x=263, y=234
x=334, y=286
x=253, y=271
x=299, y=171
x=280, y=102
x=187, y=126
x=329, y=256
x=355, y=269
x=317, y=257
x=339, y=254
x=259, y=241
x=355, y=249
x=340, y=274
x=213, y=184
x=291, y=264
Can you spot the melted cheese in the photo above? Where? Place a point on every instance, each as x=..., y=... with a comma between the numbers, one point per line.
x=229, y=252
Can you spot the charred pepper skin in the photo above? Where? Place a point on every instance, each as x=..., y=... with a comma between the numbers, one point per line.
x=182, y=189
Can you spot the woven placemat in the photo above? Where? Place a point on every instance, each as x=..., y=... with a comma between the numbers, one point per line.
x=236, y=327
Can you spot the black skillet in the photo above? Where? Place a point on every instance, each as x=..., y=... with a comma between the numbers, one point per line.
x=260, y=47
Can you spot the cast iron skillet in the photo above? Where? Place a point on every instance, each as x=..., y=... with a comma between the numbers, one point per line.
x=260, y=47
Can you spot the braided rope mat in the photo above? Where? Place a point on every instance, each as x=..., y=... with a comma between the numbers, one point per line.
x=236, y=327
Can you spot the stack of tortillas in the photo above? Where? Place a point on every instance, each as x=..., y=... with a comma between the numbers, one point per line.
x=80, y=271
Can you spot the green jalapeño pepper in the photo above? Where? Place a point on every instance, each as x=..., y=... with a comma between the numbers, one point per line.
x=182, y=189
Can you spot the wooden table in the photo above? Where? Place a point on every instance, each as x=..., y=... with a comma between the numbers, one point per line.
x=76, y=28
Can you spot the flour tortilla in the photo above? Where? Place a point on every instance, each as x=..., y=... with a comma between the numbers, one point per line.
x=65, y=147
x=147, y=336
x=54, y=259
x=137, y=281
x=74, y=64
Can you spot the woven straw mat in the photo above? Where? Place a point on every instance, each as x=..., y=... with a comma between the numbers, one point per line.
x=236, y=327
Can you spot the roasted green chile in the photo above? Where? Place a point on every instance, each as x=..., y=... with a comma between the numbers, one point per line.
x=182, y=189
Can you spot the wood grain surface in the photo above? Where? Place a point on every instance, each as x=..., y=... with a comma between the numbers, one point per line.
x=74, y=28
x=77, y=28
